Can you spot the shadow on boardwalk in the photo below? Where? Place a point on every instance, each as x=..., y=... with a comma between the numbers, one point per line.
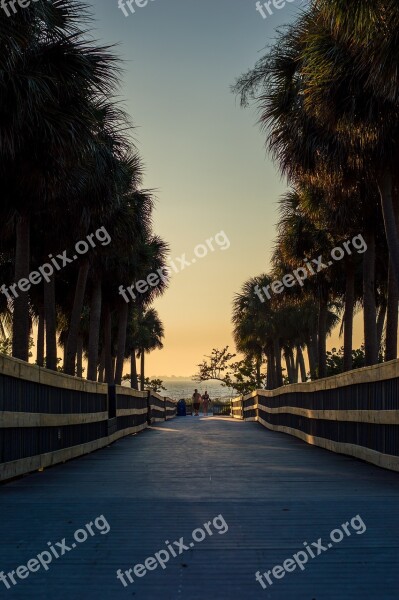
x=274, y=492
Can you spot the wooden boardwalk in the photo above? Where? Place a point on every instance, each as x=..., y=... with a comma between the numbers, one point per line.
x=273, y=491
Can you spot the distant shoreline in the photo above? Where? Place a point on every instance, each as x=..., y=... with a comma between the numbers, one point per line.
x=182, y=387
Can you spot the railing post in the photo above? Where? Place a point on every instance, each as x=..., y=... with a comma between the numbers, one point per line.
x=149, y=415
x=165, y=402
x=111, y=401
x=242, y=408
x=112, y=406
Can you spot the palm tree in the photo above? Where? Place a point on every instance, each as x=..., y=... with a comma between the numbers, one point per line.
x=149, y=335
x=259, y=327
x=285, y=323
x=247, y=340
x=325, y=131
x=103, y=179
x=370, y=32
x=131, y=345
x=59, y=77
x=300, y=239
x=149, y=258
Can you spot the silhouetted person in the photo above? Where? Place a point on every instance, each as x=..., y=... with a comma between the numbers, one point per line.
x=205, y=401
x=196, y=402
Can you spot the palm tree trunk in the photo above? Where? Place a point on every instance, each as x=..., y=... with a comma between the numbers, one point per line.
x=134, y=383
x=369, y=304
x=51, y=324
x=258, y=374
x=270, y=367
x=390, y=214
x=348, y=315
x=293, y=377
x=94, y=331
x=290, y=364
x=72, y=341
x=312, y=359
x=40, y=338
x=79, y=357
x=288, y=367
x=315, y=347
x=279, y=371
x=109, y=371
x=391, y=338
x=142, y=360
x=113, y=366
x=122, y=329
x=301, y=362
x=382, y=311
x=21, y=322
x=296, y=369
x=322, y=336
x=101, y=366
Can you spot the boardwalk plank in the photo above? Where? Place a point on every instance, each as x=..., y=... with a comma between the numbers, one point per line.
x=274, y=492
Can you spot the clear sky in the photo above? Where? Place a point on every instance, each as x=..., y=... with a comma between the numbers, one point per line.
x=203, y=154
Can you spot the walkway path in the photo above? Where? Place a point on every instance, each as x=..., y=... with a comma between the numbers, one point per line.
x=273, y=491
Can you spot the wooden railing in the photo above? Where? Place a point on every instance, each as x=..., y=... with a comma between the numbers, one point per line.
x=160, y=408
x=356, y=413
x=48, y=417
x=222, y=409
x=215, y=407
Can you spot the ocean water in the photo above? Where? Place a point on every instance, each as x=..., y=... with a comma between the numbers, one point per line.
x=184, y=388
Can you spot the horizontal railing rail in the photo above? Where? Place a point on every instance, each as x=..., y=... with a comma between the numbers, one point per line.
x=48, y=417
x=131, y=410
x=356, y=413
x=161, y=408
x=171, y=409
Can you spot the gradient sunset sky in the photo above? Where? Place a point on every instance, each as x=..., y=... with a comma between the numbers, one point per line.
x=204, y=155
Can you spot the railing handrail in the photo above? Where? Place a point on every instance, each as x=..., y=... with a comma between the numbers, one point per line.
x=123, y=390
x=373, y=374
x=13, y=367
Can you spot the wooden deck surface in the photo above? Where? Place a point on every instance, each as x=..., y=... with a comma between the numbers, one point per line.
x=274, y=492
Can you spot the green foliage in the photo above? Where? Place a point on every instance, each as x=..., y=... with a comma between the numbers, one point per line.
x=244, y=376
x=335, y=360
x=156, y=385
x=6, y=346
x=239, y=375
x=216, y=366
